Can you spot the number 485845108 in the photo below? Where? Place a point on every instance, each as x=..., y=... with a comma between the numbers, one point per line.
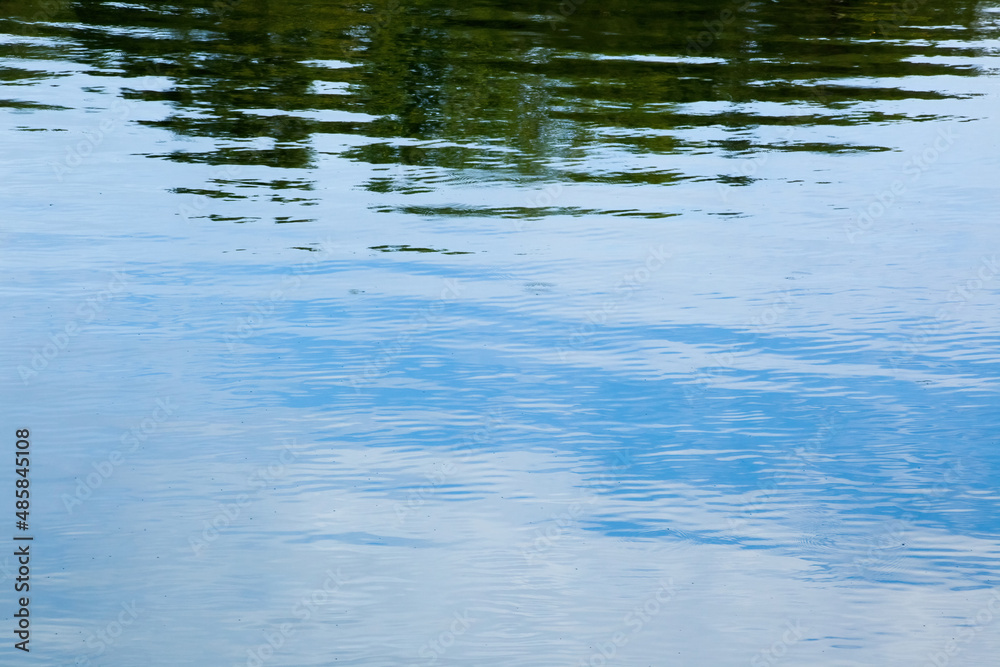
x=22, y=463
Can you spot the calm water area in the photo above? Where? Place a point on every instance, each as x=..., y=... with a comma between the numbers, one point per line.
x=514, y=334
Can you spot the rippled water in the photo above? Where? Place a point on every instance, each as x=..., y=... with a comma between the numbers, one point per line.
x=524, y=333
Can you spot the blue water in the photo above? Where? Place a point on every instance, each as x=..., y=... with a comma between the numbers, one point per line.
x=504, y=334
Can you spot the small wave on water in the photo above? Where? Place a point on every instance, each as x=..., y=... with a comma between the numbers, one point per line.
x=525, y=333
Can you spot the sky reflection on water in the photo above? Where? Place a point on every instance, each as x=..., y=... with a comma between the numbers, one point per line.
x=520, y=334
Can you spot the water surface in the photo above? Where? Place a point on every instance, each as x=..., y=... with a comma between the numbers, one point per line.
x=522, y=333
